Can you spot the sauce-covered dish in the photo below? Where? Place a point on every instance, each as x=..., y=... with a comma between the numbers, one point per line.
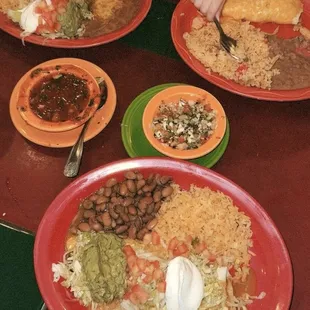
x=184, y=122
x=58, y=98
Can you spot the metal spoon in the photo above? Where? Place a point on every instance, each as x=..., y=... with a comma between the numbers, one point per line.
x=74, y=160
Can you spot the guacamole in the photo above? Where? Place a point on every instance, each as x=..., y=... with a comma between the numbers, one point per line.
x=104, y=265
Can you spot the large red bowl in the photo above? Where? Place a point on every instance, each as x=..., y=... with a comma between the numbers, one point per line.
x=271, y=264
x=181, y=22
x=8, y=26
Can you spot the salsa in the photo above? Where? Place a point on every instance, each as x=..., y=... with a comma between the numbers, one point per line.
x=59, y=98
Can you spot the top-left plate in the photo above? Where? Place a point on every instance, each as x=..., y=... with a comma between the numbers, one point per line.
x=8, y=26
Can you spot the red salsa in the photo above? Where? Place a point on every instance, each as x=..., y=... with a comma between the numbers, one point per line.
x=59, y=98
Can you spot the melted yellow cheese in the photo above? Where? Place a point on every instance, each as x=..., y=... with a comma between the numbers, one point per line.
x=277, y=11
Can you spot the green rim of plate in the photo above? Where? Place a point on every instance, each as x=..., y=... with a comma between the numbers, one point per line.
x=135, y=141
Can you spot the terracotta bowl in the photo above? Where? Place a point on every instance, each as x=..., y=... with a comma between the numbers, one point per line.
x=42, y=73
x=173, y=95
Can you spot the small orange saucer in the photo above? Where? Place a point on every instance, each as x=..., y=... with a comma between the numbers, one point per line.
x=68, y=138
x=174, y=94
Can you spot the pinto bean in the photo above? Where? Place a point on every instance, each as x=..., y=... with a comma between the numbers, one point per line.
x=157, y=196
x=119, y=209
x=112, y=212
x=151, y=224
x=130, y=175
x=150, y=208
x=101, y=199
x=101, y=207
x=93, y=197
x=119, y=221
x=128, y=201
x=107, y=191
x=167, y=191
x=125, y=217
x=89, y=213
x=111, y=182
x=131, y=185
x=132, y=232
x=138, y=223
x=140, y=184
x=165, y=179
x=142, y=233
x=157, y=206
x=121, y=229
x=132, y=210
x=146, y=200
x=100, y=191
x=147, y=218
x=97, y=226
x=150, y=178
x=139, y=176
x=106, y=219
x=84, y=227
x=87, y=204
x=123, y=190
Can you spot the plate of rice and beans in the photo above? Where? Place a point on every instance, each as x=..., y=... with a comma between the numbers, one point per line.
x=71, y=23
x=273, y=45
x=184, y=122
x=159, y=233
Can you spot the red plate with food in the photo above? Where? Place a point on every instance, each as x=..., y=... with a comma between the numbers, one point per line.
x=71, y=23
x=158, y=233
x=273, y=46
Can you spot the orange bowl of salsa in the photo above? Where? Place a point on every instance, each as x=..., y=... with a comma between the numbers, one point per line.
x=58, y=98
x=184, y=122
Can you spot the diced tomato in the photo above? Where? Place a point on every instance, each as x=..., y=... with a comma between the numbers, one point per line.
x=158, y=275
x=242, y=68
x=155, y=238
x=173, y=244
x=156, y=264
x=148, y=279
x=141, y=263
x=141, y=294
x=170, y=254
x=161, y=287
x=61, y=10
x=42, y=5
x=135, y=271
x=180, y=250
x=232, y=271
x=128, y=250
x=147, y=239
x=131, y=261
x=181, y=139
x=212, y=258
x=126, y=295
x=57, y=26
x=134, y=298
x=200, y=247
x=149, y=270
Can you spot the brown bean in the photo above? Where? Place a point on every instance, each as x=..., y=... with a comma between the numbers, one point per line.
x=116, y=200
x=130, y=175
x=148, y=194
x=167, y=191
x=113, y=225
x=108, y=191
x=112, y=212
x=119, y=209
x=132, y=210
x=119, y=221
x=140, y=184
x=132, y=232
x=101, y=207
x=125, y=217
x=123, y=190
x=128, y=201
x=132, y=217
x=153, y=185
x=97, y=227
x=101, y=199
x=150, y=178
x=121, y=229
x=123, y=236
x=140, y=213
x=142, y=233
x=147, y=218
x=126, y=210
x=138, y=223
x=93, y=197
x=157, y=178
x=150, y=208
x=157, y=206
x=111, y=182
x=87, y=204
x=113, y=195
x=146, y=188
x=146, y=200
x=89, y=213
x=131, y=185
x=157, y=196
x=142, y=207
x=140, y=192
x=73, y=230
x=115, y=188
x=150, y=225
x=165, y=179
x=139, y=176
x=84, y=227
x=100, y=191
x=106, y=219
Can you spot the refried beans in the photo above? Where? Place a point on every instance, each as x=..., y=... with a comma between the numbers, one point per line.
x=294, y=64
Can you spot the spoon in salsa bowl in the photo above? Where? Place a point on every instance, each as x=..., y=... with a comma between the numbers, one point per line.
x=74, y=160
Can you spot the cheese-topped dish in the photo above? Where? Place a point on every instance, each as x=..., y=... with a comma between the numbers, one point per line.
x=277, y=11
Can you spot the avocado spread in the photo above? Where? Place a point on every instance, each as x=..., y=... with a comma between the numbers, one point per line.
x=72, y=20
x=104, y=265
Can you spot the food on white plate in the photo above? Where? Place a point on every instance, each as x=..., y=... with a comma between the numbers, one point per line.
x=264, y=11
x=70, y=19
x=268, y=61
x=184, y=125
x=196, y=257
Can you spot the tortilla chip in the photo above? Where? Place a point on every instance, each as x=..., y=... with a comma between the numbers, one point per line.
x=263, y=11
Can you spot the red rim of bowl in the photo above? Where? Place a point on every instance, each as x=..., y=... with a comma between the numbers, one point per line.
x=9, y=27
x=214, y=179
x=186, y=7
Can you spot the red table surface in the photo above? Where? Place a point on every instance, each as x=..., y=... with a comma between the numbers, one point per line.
x=268, y=154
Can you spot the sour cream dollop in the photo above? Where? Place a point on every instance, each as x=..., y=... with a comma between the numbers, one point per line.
x=184, y=290
x=29, y=20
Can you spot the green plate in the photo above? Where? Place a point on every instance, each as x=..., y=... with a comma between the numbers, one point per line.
x=135, y=141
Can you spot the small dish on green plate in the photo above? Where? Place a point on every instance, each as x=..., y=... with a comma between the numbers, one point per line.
x=137, y=145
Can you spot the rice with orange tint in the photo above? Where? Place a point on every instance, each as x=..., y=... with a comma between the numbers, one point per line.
x=6, y=5
x=252, y=46
x=212, y=217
